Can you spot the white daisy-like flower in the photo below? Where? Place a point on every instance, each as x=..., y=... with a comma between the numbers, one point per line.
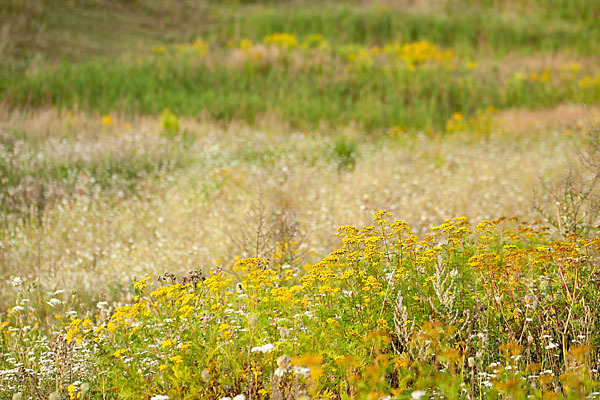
x=239, y=397
x=160, y=397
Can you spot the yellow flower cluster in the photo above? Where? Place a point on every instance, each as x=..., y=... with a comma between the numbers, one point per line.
x=480, y=124
x=281, y=39
x=383, y=282
x=77, y=329
x=417, y=53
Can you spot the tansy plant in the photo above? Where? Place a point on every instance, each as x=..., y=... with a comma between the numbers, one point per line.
x=492, y=310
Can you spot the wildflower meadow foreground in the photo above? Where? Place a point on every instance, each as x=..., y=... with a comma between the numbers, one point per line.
x=496, y=309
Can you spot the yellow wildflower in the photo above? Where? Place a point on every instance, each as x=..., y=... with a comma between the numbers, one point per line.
x=107, y=121
x=176, y=360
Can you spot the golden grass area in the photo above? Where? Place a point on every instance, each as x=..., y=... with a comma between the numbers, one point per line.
x=243, y=191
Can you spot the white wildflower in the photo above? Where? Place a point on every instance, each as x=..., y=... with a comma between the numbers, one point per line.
x=160, y=397
x=239, y=397
x=301, y=370
x=16, y=281
x=417, y=394
x=53, y=302
x=266, y=348
x=547, y=372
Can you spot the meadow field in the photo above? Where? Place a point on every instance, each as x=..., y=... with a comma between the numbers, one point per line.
x=239, y=200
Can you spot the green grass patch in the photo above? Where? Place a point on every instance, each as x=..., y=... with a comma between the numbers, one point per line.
x=377, y=98
x=470, y=29
x=37, y=33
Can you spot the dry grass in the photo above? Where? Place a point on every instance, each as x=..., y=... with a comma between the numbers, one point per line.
x=557, y=63
x=564, y=116
x=420, y=6
x=245, y=190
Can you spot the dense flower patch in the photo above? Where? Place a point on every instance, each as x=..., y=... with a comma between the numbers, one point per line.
x=494, y=309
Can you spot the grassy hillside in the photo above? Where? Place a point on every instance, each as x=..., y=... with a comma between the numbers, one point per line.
x=342, y=63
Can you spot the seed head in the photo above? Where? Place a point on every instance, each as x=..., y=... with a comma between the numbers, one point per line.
x=252, y=321
x=205, y=375
x=283, y=362
x=84, y=388
x=284, y=332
